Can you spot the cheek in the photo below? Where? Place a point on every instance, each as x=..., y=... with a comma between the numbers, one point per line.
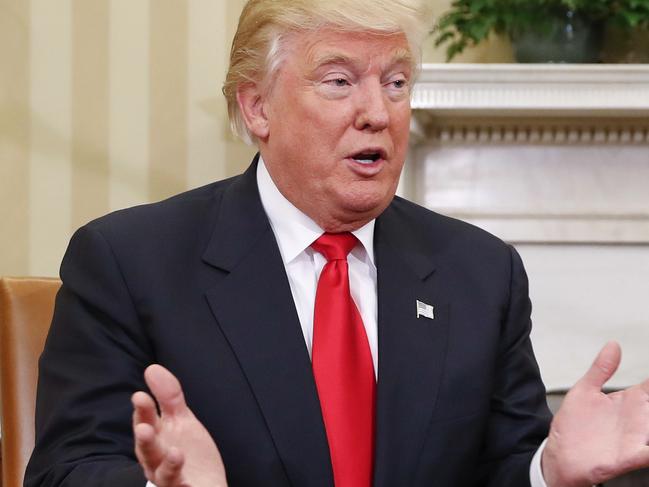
x=329, y=119
x=401, y=131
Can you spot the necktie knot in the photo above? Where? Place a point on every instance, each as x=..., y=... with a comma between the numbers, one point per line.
x=335, y=246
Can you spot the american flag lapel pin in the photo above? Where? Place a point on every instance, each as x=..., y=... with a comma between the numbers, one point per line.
x=425, y=310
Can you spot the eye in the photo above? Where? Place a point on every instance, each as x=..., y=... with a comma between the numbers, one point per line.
x=399, y=83
x=335, y=85
x=340, y=82
x=398, y=87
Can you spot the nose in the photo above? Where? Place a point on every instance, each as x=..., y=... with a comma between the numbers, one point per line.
x=372, y=112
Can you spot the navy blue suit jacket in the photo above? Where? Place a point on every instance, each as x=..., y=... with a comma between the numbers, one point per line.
x=196, y=283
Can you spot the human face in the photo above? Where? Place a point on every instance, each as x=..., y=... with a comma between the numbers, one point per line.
x=338, y=118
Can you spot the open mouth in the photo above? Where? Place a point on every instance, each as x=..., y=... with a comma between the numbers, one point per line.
x=368, y=157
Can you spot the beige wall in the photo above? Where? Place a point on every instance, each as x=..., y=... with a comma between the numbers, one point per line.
x=109, y=103
x=106, y=104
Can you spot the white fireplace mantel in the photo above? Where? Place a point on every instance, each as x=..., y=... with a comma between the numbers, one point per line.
x=527, y=89
x=548, y=103
x=534, y=153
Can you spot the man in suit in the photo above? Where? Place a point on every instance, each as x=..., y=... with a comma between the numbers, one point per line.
x=222, y=287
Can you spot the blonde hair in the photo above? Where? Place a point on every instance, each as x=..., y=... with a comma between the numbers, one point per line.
x=258, y=47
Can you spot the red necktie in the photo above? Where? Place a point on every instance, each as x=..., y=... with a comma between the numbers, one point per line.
x=343, y=368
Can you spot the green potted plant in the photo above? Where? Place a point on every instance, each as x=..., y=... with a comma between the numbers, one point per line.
x=626, y=34
x=540, y=30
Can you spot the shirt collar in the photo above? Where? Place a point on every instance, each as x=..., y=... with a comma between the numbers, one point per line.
x=294, y=230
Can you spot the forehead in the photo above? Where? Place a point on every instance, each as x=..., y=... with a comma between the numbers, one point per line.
x=328, y=46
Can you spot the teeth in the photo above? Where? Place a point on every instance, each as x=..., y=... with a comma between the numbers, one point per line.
x=367, y=158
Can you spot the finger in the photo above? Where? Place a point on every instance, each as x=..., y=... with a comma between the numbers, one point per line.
x=169, y=471
x=148, y=449
x=166, y=389
x=604, y=366
x=144, y=409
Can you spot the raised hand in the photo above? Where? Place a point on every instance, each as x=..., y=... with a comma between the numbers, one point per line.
x=594, y=436
x=174, y=448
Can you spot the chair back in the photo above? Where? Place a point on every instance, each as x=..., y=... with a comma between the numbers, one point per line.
x=26, y=308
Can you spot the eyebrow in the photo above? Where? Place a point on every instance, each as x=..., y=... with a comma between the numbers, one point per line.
x=334, y=59
x=401, y=56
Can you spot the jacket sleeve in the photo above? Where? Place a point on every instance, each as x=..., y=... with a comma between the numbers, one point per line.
x=93, y=361
x=519, y=419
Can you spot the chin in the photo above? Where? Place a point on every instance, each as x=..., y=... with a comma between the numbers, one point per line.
x=371, y=204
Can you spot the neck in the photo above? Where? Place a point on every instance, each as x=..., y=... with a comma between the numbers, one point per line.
x=333, y=225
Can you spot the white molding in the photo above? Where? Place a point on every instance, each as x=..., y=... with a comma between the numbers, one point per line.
x=527, y=89
x=549, y=134
x=605, y=230
x=473, y=120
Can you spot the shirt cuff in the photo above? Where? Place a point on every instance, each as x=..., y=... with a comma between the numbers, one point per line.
x=536, y=473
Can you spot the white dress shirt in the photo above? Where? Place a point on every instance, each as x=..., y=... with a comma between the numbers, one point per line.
x=295, y=232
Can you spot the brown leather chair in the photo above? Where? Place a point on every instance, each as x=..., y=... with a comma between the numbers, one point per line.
x=26, y=306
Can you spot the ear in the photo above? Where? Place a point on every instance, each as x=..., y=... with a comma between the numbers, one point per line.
x=251, y=104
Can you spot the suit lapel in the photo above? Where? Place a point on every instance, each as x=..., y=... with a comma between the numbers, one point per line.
x=411, y=350
x=253, y=306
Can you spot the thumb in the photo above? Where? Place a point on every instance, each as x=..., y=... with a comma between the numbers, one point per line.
x=166, y=389
x=604, y=366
